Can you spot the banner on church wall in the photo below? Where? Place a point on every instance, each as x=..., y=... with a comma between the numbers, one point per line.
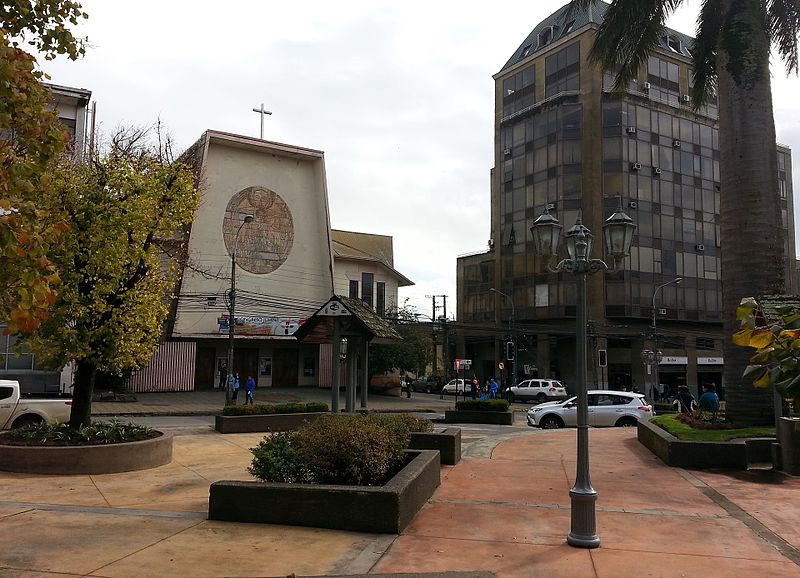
x=250, y=325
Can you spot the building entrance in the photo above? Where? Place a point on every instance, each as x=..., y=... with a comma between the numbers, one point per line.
x=205, y=371
x=285, y=370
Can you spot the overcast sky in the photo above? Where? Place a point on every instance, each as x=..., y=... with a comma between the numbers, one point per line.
x=398, y=95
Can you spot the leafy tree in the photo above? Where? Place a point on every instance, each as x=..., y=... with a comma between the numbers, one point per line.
x=412, y=354
x=776, y=361
x=31, y=142
x=115, y=280
x=731, y=60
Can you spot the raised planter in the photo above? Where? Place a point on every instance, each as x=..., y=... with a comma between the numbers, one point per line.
x=99, y=459
x=788, y=433
x=384, y=509
x=737, y=454
x=446, y=441
x=492, y=417
x=264, y=422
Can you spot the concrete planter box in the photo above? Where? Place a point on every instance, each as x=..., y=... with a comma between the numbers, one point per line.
x=100, y=459
x=386, y=509
x=492, y=417
x=447, y=442
x=788, y=433
x=264, y=422
x=736, y=454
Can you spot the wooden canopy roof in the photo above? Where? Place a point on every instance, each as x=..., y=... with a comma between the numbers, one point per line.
x=355, y=317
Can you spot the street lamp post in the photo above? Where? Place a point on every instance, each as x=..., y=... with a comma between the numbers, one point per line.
x=657, y=356
x=511, y=334
x=232, y=309
x=618, y=236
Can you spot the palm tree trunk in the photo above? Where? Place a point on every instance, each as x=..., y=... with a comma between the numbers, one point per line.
x=753, y=241
x=81, y=412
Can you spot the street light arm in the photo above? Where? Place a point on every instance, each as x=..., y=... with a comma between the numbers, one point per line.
x=658, y=288
x=511, y=301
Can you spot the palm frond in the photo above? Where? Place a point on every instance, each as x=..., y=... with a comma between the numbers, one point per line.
x=783, y=25
x=630, y=31
x=704, y=52
x=576, y=6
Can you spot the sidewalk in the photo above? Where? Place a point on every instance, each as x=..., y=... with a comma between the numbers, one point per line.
x=504, y=510
x=207, y=402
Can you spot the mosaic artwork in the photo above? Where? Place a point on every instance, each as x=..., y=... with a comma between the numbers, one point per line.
x=265, y=243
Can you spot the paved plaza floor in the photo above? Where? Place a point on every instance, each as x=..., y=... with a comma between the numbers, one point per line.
x=503, y=511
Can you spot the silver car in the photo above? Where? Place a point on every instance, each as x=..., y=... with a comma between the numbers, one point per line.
x=606, y=408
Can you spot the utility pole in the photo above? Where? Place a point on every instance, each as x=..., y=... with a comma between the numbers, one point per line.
x=263, y=113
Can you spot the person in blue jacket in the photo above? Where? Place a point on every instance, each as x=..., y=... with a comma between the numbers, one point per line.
x=709, y=401
x=250, y=388
x=493, y=387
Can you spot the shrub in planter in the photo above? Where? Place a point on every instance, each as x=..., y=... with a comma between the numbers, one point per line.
x=401, y=424
x=276, y=408
x=349, y=450
x=499, y=405
x=276, y=460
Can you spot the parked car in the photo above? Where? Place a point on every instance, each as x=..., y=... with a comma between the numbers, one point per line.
x=456, y=386
x=606, y=408
x=537, y=390
x=426, y=385
x=17, y=411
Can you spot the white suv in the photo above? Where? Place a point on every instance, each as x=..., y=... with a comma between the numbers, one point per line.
x=606, y=408
x=537, y=390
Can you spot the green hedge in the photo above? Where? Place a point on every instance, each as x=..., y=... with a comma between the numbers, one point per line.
x=482, y=405
x=269, y=409
x=337, y=449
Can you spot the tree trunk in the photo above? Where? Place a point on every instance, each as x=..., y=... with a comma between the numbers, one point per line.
x=82, y=391
x=752, y=235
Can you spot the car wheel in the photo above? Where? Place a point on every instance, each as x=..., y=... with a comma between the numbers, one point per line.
x=510, y=398
x=627, y=422
x=541, y=397
x=551, y=422
x=26, y=420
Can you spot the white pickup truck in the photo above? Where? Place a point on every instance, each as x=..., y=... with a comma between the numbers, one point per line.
x=17, y=411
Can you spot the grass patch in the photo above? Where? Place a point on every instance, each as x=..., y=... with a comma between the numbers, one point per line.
x=684, y=431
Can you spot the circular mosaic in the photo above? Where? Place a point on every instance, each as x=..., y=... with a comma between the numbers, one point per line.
x=265, y=243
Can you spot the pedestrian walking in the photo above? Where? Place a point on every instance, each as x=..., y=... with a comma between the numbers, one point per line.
x=475, y=387
x=493, y=387
x=223, y=375
x=250, y=389
x=235, y=387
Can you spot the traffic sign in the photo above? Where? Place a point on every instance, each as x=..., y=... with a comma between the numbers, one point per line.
x=501, y=366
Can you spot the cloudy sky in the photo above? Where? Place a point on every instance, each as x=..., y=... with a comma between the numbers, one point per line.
x=398, y=95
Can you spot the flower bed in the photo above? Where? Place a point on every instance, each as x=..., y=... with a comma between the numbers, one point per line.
x=88, y=459
x=384, y=509
x=736, y=453
x=491, y=411
x=266, y=418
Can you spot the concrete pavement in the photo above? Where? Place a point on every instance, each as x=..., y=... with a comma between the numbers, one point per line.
x=504, y=510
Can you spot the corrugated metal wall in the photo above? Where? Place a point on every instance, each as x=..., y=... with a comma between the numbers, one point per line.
x=170, y=369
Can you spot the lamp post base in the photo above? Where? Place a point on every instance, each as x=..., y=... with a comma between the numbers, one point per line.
x=583, y=532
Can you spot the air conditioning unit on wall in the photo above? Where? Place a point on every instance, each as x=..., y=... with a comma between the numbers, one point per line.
x=636, y=166
x=631, y=130
x=700, y=247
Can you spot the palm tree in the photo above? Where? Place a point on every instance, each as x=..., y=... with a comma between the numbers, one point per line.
x=731, y=59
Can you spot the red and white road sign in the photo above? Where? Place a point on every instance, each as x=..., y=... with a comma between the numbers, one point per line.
x=501, y=365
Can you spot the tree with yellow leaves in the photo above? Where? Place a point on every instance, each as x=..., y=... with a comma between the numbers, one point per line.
x=115, y=278
x=31, y=143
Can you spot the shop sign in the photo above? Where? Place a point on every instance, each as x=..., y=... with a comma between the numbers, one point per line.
x=709, y=361
x=674, y=360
